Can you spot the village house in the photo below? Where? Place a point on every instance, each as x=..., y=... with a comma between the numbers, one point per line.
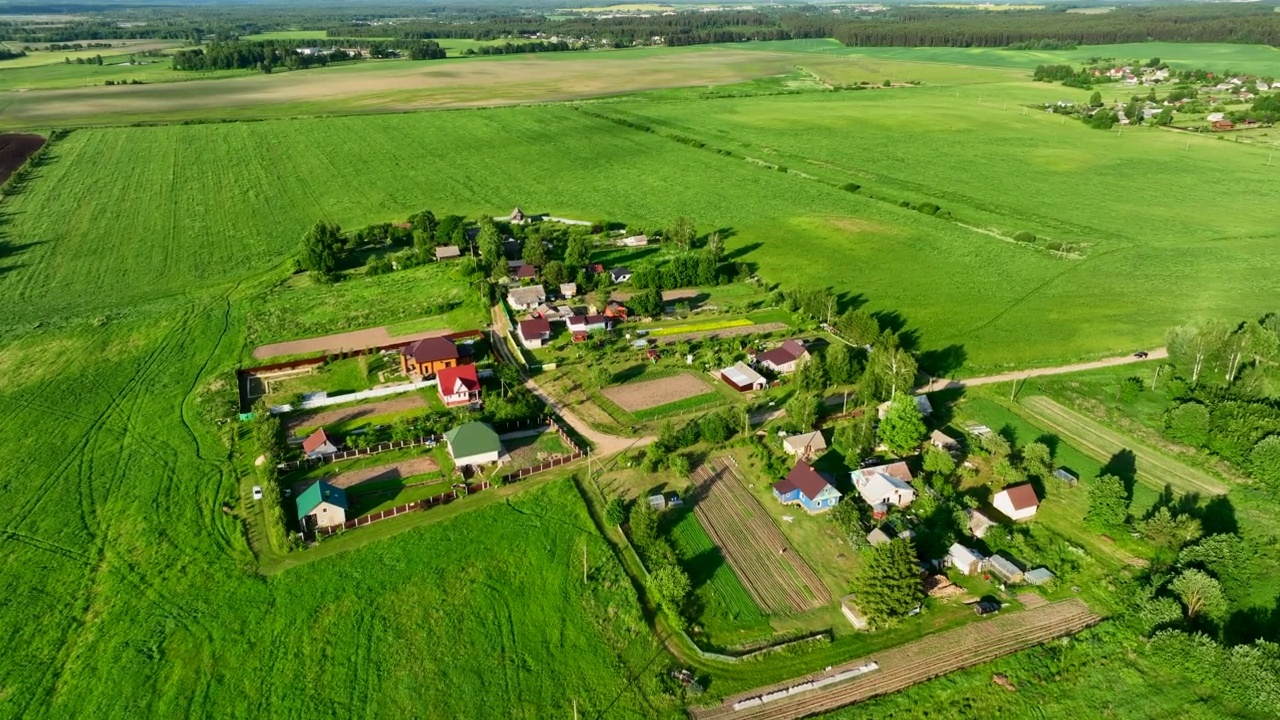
x=473, y=443
x=806, y=445
x=634, y=241
x=616, y=310
x=448, y=252
x=943, y=441
x=1017, y=502
x=882, y=486
x=979, y=524
x=534, y=332
x=524, y=271
x=968, y=562
x=321, y=505
x=319, y=444
x=806, y=487
x=526, y=298
x=517, y=216
x=428, y=356
x=742, y=378
x=785, y=358
x=458, y=385
x=568, y=290
x=620, y=274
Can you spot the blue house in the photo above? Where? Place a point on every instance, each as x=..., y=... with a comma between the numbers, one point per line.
x=806, y=487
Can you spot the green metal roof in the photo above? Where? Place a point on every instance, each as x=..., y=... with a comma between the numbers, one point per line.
x=473, y=438
x=318, y=492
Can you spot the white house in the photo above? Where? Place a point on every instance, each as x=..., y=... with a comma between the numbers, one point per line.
x=1018, y=502
x=473, y=443
x=784, y=358
x=968, y=562
x=884, y=485
x=526, y=298
x=742, y=378
x=534, y=332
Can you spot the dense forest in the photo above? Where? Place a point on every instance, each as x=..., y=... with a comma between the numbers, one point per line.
x=897, y=26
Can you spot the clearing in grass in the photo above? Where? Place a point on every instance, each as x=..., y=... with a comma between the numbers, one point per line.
x=654, y=394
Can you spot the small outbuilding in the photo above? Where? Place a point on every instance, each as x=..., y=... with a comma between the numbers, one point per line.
x=448, y=252
x=979, y=524
x=922, y=403
x=319, y=444
x=943, y=441
x=1003, y=569
x=1017, y=502
x=1066, y=476
x=878, y=537
x=473, y=443
x=968, y=562
x=1038, y=576
x=568, y=290
x=742, y=378
x=620, y=274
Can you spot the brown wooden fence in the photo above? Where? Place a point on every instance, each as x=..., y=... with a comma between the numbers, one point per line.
x=425, y=504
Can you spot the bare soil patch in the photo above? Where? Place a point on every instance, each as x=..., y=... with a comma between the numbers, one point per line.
x=652, y=393
x=390, y=471
x=15, y=148
x=329, y=417
x=354, y=340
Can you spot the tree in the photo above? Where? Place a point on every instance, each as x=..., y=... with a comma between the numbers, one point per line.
x=890, y=370
x=841, y=367
x=322, y=248
x=600, y=376
x=858, y=327
x=802, y=409
x=857, y=438
x=670, y=586
x=678, y=464
x=534, y=252
x=1108, y=503
x=715, y=247
x=578, y=254
x=1264, y=461
x=682, y=233
x=1096, y=98
x=556, y=273
x=939, y=462
x=648, y=303
x=490, y=243
x=810, y=377
x=1200, y=594
x=1037, y=459
x=1165, y=116
x=1167, y=530
x=643, y=524
x=889, y=584
x=1188, y=423
x=1193, y=348
x=902, y=429
x=616, y=512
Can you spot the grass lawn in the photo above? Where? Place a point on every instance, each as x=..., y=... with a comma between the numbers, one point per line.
x=367, y=502
x=336, y=378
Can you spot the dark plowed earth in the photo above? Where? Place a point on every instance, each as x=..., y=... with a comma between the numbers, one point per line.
x=14, y=150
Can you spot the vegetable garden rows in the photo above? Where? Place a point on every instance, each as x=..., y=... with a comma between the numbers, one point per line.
x=778, y=579
x=918, y=661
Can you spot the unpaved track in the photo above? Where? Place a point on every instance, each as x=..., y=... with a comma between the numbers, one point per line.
x=354, y=340
x=945, y=384
x=916, y=662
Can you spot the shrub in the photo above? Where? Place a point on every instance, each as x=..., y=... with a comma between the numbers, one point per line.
x=928, y=208
x=1024, y=236
x=851, y=187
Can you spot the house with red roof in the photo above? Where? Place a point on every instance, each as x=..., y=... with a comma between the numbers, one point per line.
x=428, y=356
x=319, y=444
x=534, y=332
x=458, y=385
x=1017, y=502
x=785, y=358
x=806, y=487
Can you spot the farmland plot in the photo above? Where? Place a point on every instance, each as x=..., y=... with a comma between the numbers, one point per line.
x=648, y=394
x=775, y=575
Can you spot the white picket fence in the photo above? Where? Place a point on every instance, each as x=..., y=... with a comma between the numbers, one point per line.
x=321, y=399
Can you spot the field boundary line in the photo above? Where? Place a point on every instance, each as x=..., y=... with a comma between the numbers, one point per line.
x=1096, y=439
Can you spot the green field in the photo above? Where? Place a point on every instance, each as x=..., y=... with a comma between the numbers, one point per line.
x=725, y=612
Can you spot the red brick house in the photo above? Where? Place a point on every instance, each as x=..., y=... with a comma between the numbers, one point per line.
x=428, y=356
x=459, y=385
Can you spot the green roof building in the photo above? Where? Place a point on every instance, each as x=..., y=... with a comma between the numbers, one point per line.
x=473, y=443
x=325, y=502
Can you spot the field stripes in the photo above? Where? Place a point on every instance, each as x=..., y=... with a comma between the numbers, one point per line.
x=705, y=563
x=773, y=573
x=1154, y=467
x=915, y=662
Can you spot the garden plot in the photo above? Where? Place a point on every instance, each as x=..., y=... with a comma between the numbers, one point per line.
x=636, y=397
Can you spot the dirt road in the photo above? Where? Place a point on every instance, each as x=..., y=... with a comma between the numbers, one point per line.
x=605, y=444
x=944, y=384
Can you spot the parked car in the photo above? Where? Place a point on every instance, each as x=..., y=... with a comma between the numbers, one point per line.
x=986, y=607
x=257, y=492
x=1140, y=354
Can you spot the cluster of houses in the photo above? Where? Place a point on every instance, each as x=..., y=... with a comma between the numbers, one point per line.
x=458, y=381
x=780, y=360
x=536, y=330
x=323, y=504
